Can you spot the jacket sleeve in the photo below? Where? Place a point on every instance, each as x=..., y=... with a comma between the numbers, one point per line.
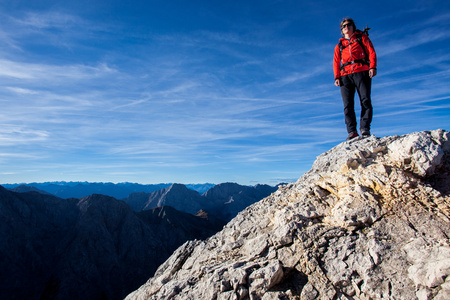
x=337, y=62
x=371, y=52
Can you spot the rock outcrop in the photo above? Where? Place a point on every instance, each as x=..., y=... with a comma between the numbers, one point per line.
x=370, y=220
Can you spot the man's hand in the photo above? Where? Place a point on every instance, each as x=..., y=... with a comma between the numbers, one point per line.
x=372, y=72
x=337, y=82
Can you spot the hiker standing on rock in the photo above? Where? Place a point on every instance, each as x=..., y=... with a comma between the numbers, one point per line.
x=354, y=65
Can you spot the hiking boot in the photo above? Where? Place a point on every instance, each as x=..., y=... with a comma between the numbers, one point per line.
x=365, y=133
x=352, y=135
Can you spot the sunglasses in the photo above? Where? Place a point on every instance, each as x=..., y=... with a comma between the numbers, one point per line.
x=345, y=25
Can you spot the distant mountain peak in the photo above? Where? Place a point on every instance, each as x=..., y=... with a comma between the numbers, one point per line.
x=24, y=188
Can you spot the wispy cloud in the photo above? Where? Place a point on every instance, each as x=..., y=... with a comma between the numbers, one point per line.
x=48, y=19
x=49, y=73
x=13, y=135
x=413, y=40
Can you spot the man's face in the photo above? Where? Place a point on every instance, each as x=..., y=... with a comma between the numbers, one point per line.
x=347, y=28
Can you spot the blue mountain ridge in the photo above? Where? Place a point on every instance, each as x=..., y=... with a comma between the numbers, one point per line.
x=78, y=189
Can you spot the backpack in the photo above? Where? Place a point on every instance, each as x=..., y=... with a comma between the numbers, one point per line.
x=365, y=60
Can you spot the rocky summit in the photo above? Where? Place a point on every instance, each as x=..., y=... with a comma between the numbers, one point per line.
x=370, y=220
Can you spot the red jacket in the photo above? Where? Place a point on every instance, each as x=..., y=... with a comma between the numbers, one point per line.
x=352, y=51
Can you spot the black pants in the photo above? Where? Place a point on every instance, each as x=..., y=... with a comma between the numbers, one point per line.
x=362, y=83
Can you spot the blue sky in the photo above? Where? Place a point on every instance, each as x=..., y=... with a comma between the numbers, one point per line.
x=203, y=90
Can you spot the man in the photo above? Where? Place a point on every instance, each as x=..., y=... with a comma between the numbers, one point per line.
x=354, y=65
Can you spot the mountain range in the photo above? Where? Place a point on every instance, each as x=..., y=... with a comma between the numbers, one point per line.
x=98, y=247
x=95, y=247
x=223, y=201
x=64, y=189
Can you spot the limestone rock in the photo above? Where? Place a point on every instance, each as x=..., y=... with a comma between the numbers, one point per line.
x=370, y=220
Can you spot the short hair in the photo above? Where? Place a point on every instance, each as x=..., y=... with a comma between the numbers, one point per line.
x=350, y=21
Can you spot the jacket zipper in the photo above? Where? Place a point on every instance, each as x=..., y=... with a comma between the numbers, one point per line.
x=351, y=57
